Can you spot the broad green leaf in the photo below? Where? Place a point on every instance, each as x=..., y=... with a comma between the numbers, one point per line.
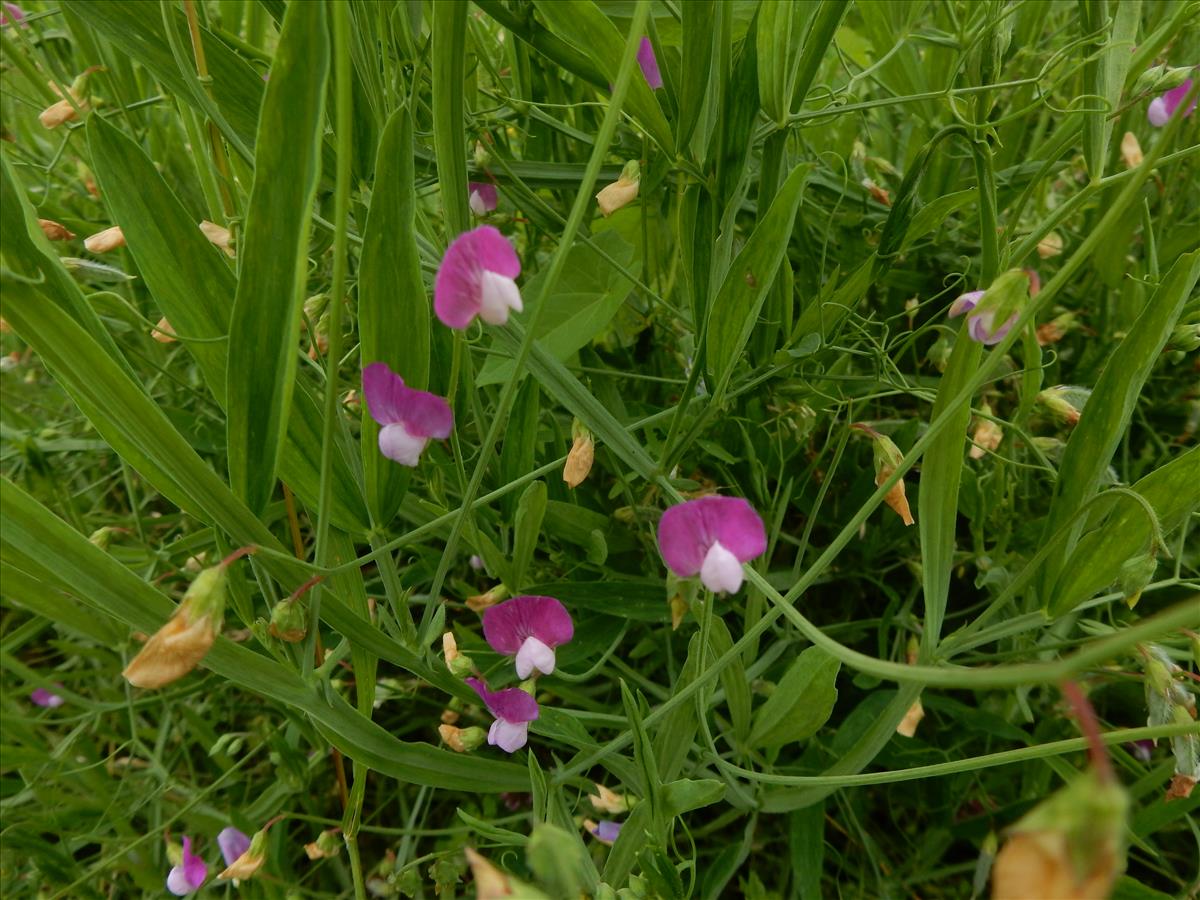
x=587, y=296
x=1110, y=408
x=687, y=794
x=265, y=326
x=1172, y=491
x=197, y=300
x=581, y=23
x=101, y=582
x=736, y=307
x=393, y=309
x=800, y=704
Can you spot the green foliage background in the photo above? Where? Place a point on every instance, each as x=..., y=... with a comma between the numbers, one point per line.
x=819, y=181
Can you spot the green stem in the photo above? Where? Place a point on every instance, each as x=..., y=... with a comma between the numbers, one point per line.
x=344, y=111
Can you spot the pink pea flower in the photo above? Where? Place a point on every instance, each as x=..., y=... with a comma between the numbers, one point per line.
x=529, y=628
x=46, y=698
x=605, y=832
x=476, y=279
x=11, y=14
x=233, y=843
x=482, y=197
x=408, y=418
x=649, y=64
x=514, y=710
x=189, y=875
x=712, y=537
x=1162, y=108
x=981, y=326
x=1142, y=750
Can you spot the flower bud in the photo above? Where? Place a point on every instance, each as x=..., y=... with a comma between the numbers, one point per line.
x=246, y=865
x=1070, y=846
x=1131, y=150
x=62, y=111
x=459, y=664
x=490, y=882
x=1136, y=573
x=1185, y=337
x=1051, y=245
x=1056, y=329
x=219, y=236
x=1064, y=402
x=102, y=537
x=1161, y=78
x=607, y=801
x=908, y=725
x=987, y=437
x=480, y=602
x=579, y=460
x=327, y=844
x=289, y=621
x=621, y=192
x=177, y=647
x=887, y=457
x=106, y=240
x=54, y=231
x=877, y=193
x=462, y=740
x=163, y=332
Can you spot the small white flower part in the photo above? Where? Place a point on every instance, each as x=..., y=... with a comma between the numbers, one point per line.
x=534, y=655
x=498, y=295
x=508, y=736
x=396, y=443
x=721, y=570
x=475, y=201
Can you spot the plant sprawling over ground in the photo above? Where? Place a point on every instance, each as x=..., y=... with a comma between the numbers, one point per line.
x=608, y=448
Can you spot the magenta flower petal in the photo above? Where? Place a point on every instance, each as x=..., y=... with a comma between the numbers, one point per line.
x=233, y=844
x=506, y=625
x=510, y=704
x=1162, y=108
x=408, y=418
x=384, y=391
x=427, y=415
x=481, y=197
x=46, y=698
x=688, y=533
x=529, y=628
x=189, y=875
x=12, y=14
x=476, y=278
x=649, y=64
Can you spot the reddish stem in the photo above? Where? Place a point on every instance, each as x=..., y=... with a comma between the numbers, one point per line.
x=238, y=554
x=1085, y=717
x=304, y=588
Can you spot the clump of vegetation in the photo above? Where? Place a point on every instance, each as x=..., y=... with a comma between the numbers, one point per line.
x=559, y=448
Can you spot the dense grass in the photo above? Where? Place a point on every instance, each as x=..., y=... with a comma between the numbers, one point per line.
x=767, y=320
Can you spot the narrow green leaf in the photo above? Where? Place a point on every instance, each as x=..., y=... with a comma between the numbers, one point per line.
x=687, y=794
x=675, y=735
x=736, y=307
x=449, y=135
x=527, y=528
x=28, y=253
x=699, y=23
x=265, y=326
x=393, y=310
x=197, y=300
x=801, y=703
x=733, y=679
x=101, y=582
x=236, y=86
